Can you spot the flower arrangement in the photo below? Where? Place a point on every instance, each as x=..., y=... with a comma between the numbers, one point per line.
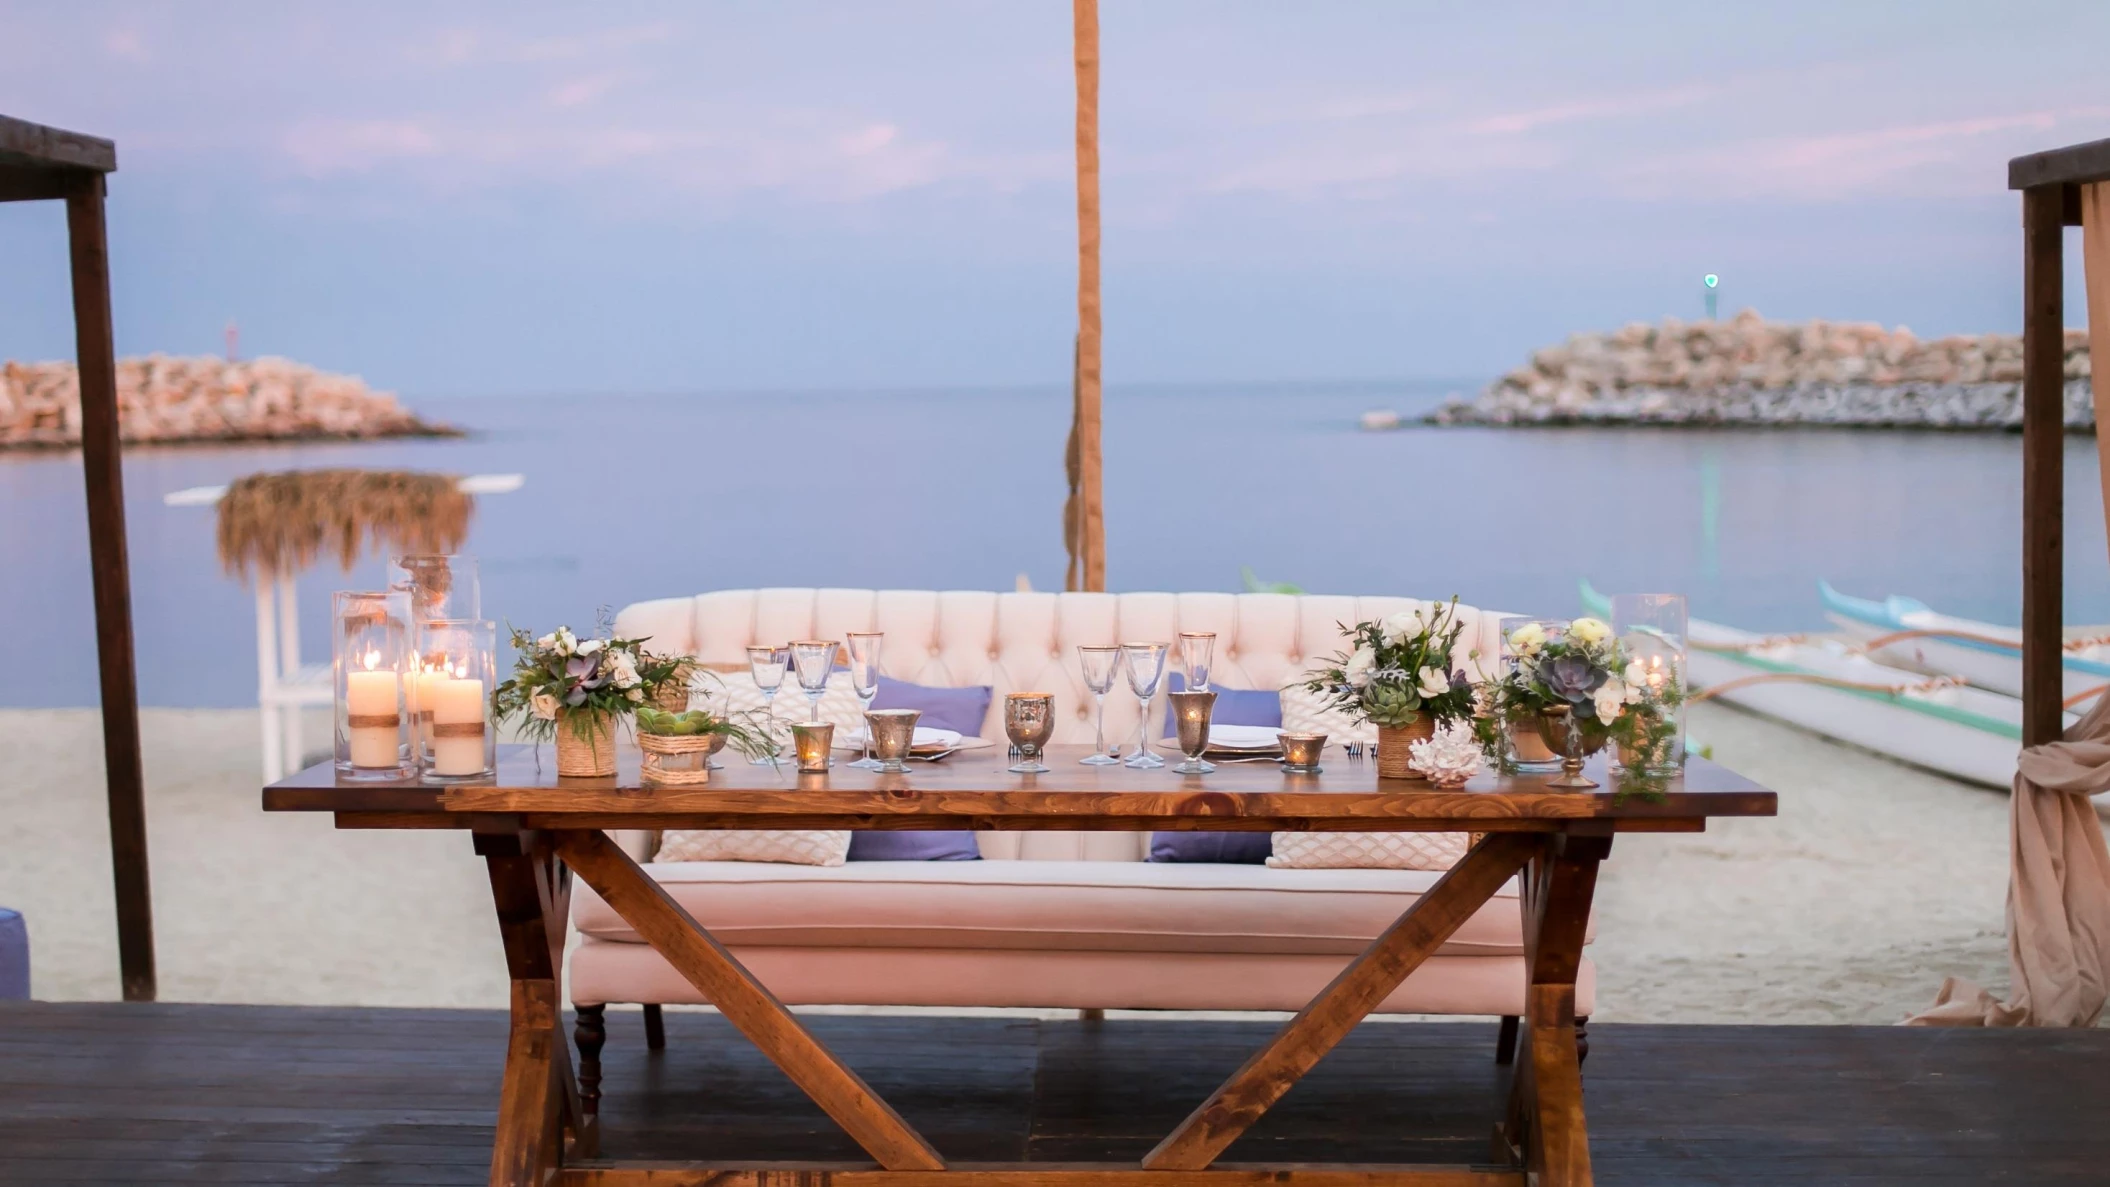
x=1610, y=694
x=742, y=735
x=1399, y=670
x=588, y=683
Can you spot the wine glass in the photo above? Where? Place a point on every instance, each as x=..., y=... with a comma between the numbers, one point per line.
x=1195, y=649
x=767, y=665
x=1146, y=667
x=864, y=681
x=1029, y=721
x=1101, y=665
x=812, y=659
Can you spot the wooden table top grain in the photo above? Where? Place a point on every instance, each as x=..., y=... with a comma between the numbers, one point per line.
x=972, y=790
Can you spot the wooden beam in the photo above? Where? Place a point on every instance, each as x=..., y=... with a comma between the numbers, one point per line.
x=2043, y=463
x=34, y=145
x=745, y=1002
x=824, y=1174
x=95, y=352
x=2095, y=272
x=1091, y=508
x=1359, y=989
x=2075, y=164
x=35, y=185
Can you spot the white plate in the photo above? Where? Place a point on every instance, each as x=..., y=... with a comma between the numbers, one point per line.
x=1241, y=737
x=927, y=738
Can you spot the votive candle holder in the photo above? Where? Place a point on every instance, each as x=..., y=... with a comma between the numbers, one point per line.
x=457, y=670
x=369, y=659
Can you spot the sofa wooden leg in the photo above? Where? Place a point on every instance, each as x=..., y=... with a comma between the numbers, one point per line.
x=1506, y=1041
x=1092, y=1015
x=655, y=1029
x=1582, y=1039
x=590, y=1033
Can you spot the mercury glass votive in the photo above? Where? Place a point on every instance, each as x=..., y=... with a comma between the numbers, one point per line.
x=369, y=657
x=810, y=741
x=457, y=669
x=892, y=733
x=1300, y=752
x=1029, y=721
x=1191, y=711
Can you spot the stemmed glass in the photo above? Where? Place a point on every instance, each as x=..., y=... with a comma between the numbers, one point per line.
x=1101, y=665
x=1146, y=667
x=1195, y=649
x=864, y=681
x=766, y=665
x=812, y=659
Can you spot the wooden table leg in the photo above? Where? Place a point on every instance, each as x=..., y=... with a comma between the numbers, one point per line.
x=745, y=1002
x=538, y=1104
x=1546, y=1107
x=1359, y=989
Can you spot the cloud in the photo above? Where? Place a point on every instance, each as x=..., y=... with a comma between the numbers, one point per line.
x=1602, y=107
x=319, y=148
x=126, y=44
x=578, y=91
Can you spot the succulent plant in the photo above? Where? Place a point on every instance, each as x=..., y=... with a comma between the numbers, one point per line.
x=1390, y=703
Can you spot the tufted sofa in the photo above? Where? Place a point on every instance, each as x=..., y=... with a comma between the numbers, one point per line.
x=1048, y=919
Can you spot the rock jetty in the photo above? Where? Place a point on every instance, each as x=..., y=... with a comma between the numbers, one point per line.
x=1748, y=371
x=164, y=399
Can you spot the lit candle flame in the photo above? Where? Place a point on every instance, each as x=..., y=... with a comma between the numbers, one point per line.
x=371, y=659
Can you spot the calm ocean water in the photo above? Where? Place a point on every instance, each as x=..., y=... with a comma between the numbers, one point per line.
x=653, y=496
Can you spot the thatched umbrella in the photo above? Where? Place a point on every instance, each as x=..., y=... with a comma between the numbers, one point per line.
x=276, y=525
x=1084, y=516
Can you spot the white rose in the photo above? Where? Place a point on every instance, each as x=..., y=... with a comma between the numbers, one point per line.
x=1432, y=682
x=591, y=645
x=1589, y=631
x=636, y=694
x=1359, y=667
x=625, y=669
x=566, y=644
x=1527, y=639
x=544, y=706
x=1635, y=675
x=546, y=642
x=1611, y=697
x=1400, y=627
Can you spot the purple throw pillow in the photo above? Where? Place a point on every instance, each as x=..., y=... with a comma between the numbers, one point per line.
x=1250, y=849
x=960, y=710
x=1234, y=706
x=914, y=846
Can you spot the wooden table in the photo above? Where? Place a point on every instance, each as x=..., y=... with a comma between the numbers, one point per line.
x=535, y=831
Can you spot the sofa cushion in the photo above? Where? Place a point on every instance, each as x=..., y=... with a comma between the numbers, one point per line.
x=1052, y=905
x=1211, y=845
x=960, y=710
x=916, y=845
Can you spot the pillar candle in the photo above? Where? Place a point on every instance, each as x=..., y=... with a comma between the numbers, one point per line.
x=372, y=695
x=454, y=702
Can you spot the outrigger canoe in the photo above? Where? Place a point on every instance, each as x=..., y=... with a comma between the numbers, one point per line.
x=1911, y=634
x=1828, y=688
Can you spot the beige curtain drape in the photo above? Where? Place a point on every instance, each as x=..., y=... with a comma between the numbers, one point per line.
x=2058, y=896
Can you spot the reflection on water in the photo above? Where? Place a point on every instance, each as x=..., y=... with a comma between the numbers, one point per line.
x=656, y=496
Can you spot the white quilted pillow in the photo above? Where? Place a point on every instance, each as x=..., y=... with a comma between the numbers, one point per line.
x=1305, y=712
x=1367, y=851
x=798, y=847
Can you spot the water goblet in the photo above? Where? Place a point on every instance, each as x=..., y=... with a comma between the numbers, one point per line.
x=1029, y=721
x=767, y=666
x=811, y=659
x=864, y=681
x=1196, y=648
x=1146, y=667
x=1100, y=665
x=1190, y=714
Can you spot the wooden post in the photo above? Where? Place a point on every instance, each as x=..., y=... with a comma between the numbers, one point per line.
x=2095, y=272
x=96, y=357
x=1091, y=514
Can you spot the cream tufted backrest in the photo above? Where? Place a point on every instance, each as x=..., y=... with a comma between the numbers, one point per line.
x=1017, y=642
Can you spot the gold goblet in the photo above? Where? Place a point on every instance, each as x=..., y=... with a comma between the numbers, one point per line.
x=1190, y=713
x=1573, y=738
x=1029, y=721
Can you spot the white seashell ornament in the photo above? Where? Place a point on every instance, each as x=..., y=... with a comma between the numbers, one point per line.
x=1449, y=758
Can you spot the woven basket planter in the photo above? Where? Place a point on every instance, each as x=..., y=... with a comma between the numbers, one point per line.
x=1393, y=758
x=678, y=761
x=591, y=756
x=672, y=695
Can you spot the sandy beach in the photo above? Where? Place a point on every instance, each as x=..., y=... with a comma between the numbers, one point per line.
x=1873, y=883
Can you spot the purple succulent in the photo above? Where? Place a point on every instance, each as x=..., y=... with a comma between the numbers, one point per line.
x=1572, y=678
x=584, y=672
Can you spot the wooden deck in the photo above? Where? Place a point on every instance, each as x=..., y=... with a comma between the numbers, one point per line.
x=108, y=1093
